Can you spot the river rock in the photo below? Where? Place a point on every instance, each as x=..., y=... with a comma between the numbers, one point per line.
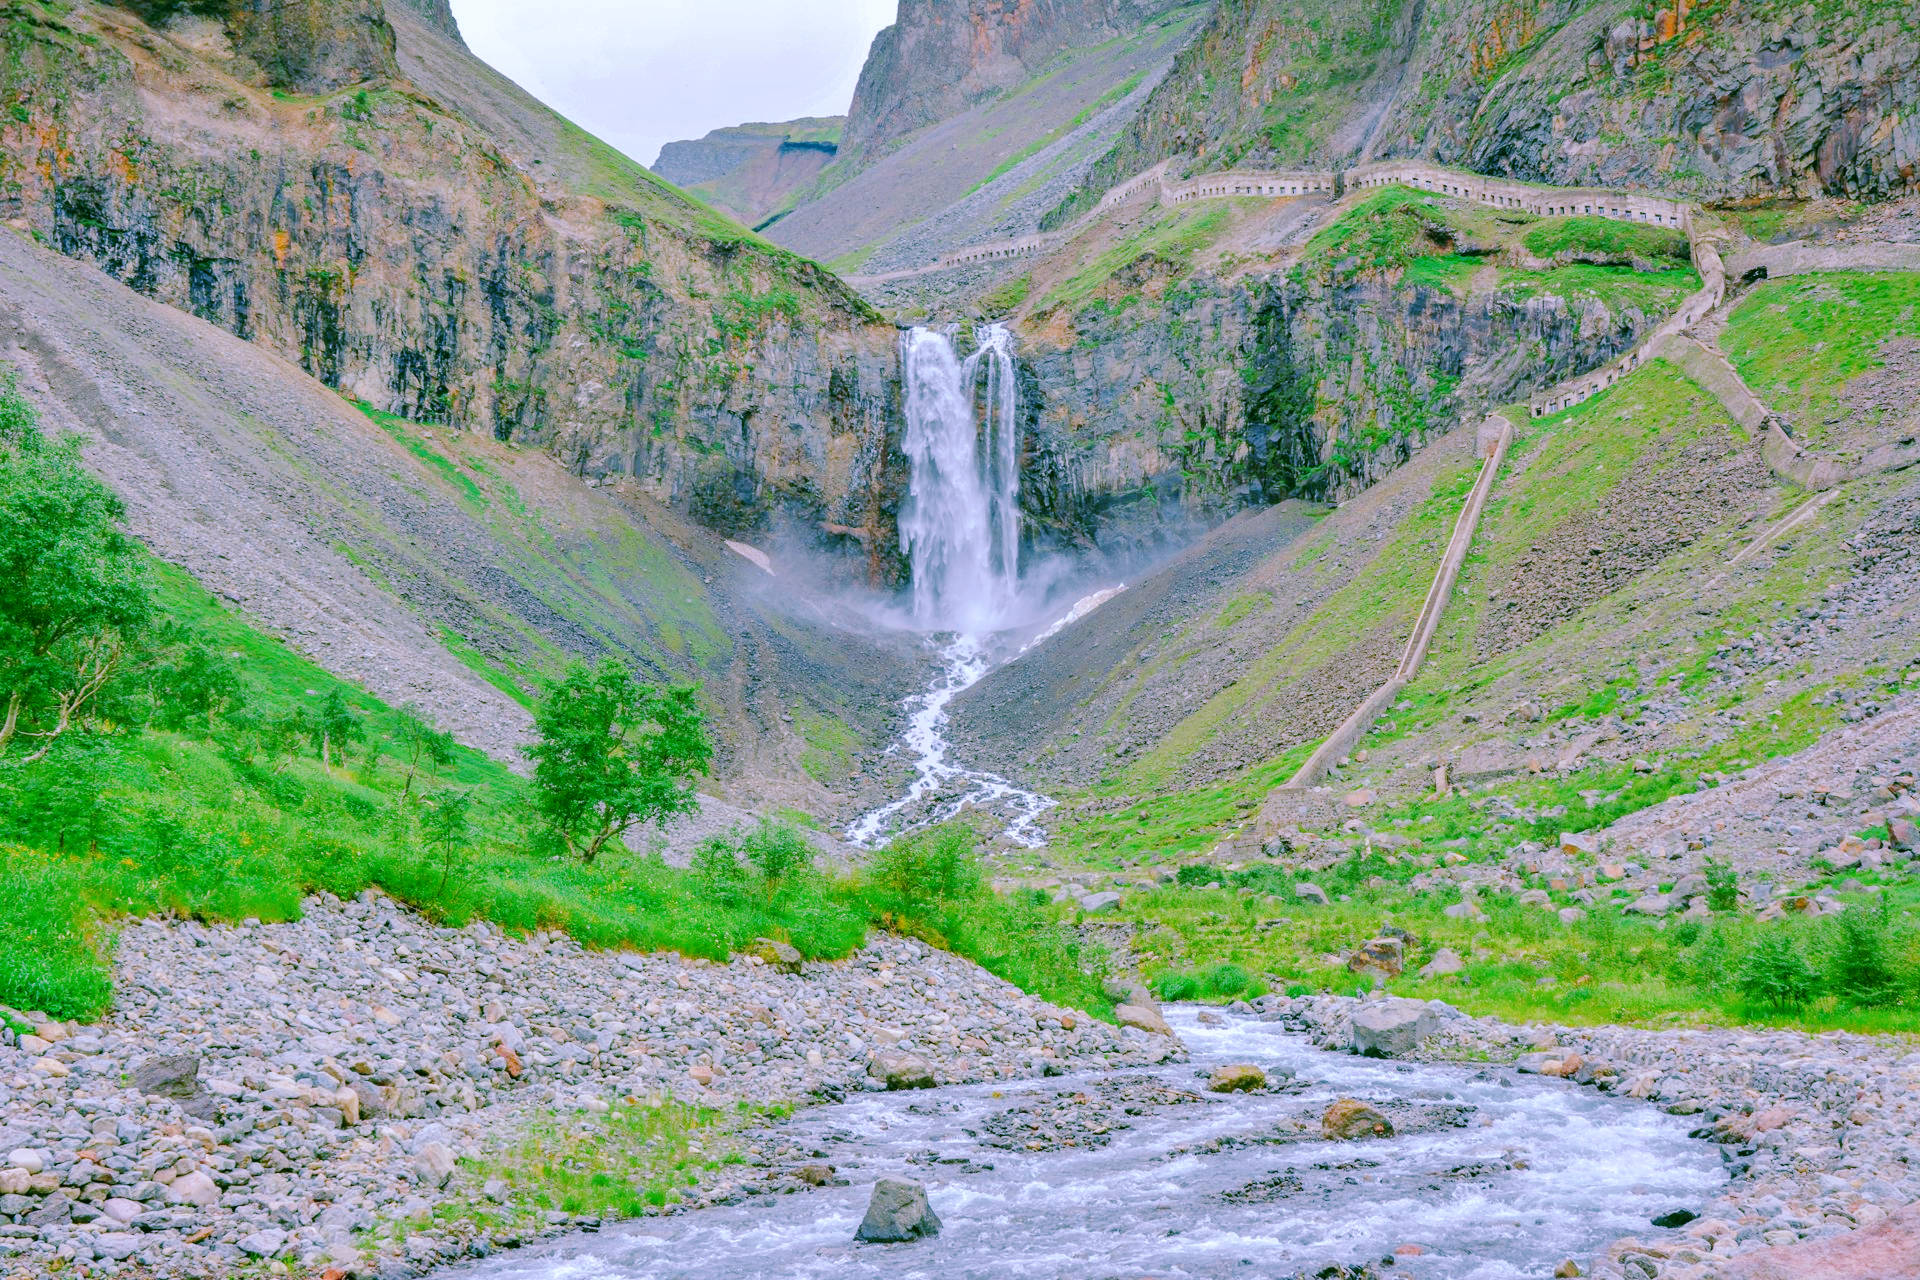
x=1350, y=1118
x=1237, y=1077
x=1146, y=1019
x=897, y=1212
x=434, y=1162
x=1391, y=1028
x=898, y=1069
x=775, y=954
x=196, y=1189
x=264, y=1244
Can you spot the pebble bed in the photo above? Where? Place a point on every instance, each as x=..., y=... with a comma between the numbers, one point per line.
x=330, y=1073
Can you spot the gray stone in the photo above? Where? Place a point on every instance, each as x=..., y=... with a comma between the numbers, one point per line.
x=264, y=1244
x=196, y=1189
x=1391, y=1028
x=897, y=1212
x=435, y=1164
x=1445, y=961
x=1309, y=892
x=116, y=1246
x=898, y=1069
x=1100, y=901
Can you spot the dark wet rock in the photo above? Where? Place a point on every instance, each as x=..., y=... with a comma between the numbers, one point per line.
x=1350, y=1118
x=898, y=1212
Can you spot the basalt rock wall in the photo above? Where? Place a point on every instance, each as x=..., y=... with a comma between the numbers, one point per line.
x=1152, y=419
x=404, y=255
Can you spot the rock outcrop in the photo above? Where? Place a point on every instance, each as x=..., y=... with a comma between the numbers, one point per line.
x=749, y=170
x=441, y=246
x=938, y=59
x=1710, y=99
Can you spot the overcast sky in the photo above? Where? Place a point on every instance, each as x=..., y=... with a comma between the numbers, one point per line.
x=647, y=73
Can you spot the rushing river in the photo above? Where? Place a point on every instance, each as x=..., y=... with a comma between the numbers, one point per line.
x=1495, y=1176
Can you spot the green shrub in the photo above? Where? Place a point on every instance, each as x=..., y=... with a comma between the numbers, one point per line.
x=931, y=866
x=1723, y=886
x=1858, y=967
x=1196, y=875
x=1775, y=975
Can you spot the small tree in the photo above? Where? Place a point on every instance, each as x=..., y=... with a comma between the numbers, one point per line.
x=1723, y=886
x=717, y=871
x=444, y=826
x=73, y=585
x=195, y=686
x=614, y=753
x=422, y=744
x=1775, y=974
x=333, y=728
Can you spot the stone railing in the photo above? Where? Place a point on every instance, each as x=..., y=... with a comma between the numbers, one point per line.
x=1495, y=434
x=1712, y=290
x=1227, y=184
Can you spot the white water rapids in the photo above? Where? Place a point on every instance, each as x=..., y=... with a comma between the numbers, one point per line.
x=960, y=529
x=1493, y=1175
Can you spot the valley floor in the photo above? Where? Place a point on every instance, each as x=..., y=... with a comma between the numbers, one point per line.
x=361, y=1089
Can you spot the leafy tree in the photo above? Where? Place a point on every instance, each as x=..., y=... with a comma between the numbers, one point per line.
x=194, y=685
x=73, y=586
x=717, y=871
x=422, y=744
x=444, y=824
x=935, y=865
x=615, y=753
x=1858, y=966
x=334, y=728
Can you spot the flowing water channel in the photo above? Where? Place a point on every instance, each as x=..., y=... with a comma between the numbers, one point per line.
x=1494, y=1175
x=960, y=528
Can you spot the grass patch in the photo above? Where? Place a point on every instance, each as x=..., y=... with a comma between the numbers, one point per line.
x=1174, y=238
x=1652, y=293
x=1610, y=239
x=1798, y=340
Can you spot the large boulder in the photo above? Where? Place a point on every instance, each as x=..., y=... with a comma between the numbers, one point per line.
x=898, y=1069
x=1350, y=1118
x=1392, y=1028
x=1446, y=961
x=898, y=1212
x=176, y=1076
x=1237, y=1077
x=1386, y=956
x=1146, y=1019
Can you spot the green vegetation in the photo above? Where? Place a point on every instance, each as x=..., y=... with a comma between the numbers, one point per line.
x=1387, y=231
x=1652, y=293
x=1004, y=299
x=214, y=774
x=1609, y=240
x=1857, y=971
x=1798, y=340
x=1174, y=239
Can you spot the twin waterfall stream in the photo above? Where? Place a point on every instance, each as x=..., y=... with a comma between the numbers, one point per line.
x=961, y=532
x=1141, y=1172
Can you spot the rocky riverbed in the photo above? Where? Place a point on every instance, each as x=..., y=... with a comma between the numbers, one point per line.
x=266, y=1092
x=1821, y=1133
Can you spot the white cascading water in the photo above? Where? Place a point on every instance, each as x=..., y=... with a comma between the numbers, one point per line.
x=960, y=529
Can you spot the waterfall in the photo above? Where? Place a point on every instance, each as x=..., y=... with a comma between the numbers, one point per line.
x=960, y=526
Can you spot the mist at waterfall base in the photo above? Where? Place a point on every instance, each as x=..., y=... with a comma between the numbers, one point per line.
x=961, y=531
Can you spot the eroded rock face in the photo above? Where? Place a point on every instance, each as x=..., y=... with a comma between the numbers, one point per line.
x=939, y=58
x=424, y=264
x=1729, y=100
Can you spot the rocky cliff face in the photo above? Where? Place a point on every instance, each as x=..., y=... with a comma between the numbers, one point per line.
x=1152, y=421
x=484, y=265
x=939, y=58
x=749, y=170
x=1724, y=99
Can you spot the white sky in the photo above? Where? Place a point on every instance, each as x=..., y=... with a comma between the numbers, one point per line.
x=647, y=73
